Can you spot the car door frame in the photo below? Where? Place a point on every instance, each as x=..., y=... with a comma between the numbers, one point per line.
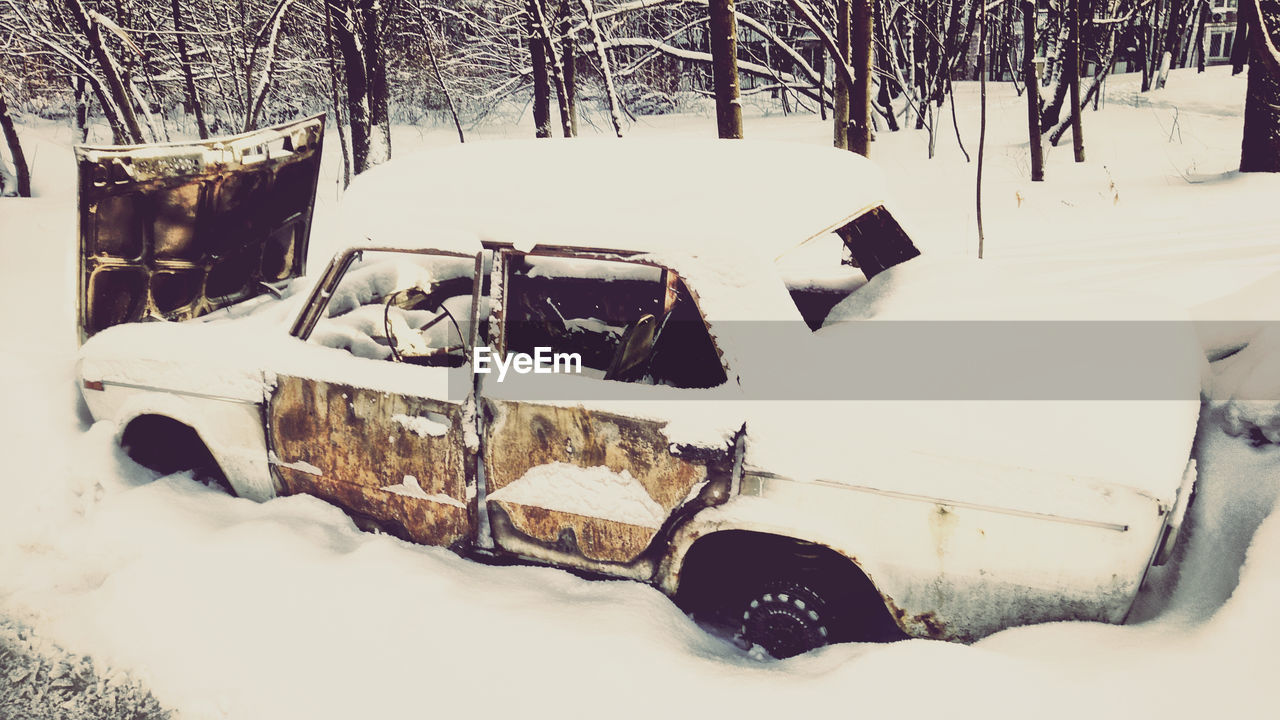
x=723, y=467
x=288, y=426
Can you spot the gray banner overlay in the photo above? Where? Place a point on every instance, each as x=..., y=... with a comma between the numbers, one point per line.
x=921, y=360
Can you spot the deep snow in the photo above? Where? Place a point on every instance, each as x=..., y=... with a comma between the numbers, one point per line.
x=226, y=608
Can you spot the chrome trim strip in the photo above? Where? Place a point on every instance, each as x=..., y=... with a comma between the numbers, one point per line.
x=202, y=396
x=950, y=503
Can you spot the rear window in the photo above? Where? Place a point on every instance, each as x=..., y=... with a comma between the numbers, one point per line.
x=831, y=267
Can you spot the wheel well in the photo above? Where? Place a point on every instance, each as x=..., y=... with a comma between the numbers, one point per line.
x=165, y=445
x=722, y=568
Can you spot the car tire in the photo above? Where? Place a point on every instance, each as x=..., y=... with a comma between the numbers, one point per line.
x=788, y=617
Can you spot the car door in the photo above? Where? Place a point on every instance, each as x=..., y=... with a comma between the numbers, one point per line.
x=577, y=479
x=355, y=418
x=175, y=231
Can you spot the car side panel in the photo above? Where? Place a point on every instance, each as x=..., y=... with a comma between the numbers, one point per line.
x=951, y=572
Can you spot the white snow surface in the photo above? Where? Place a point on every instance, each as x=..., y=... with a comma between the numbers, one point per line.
x=593, y=492
x=231, y=609
x=421, y=426
x=615, y=187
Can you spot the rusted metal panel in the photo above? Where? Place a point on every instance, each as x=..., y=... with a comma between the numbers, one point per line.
x=348, y=445
x=522, y=436
x=594, y=538
x=177, y=231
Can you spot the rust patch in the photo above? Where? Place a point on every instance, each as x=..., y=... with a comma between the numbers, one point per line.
x=349, y=436
x=923, y=625
x=594, y=538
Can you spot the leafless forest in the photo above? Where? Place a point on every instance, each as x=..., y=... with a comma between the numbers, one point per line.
x=135, y=71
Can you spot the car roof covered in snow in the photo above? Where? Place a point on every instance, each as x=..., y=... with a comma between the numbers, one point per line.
x=690, y=197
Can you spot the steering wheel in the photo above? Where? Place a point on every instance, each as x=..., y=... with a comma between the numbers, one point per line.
x=405, y=300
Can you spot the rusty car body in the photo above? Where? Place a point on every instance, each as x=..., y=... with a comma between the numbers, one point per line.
x=654, y=463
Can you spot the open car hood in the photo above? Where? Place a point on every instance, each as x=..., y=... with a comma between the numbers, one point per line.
x=175, y=231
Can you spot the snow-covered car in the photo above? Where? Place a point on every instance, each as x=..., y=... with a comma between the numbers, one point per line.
x=632, y=360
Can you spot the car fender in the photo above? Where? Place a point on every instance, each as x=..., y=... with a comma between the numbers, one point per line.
x=231, y=430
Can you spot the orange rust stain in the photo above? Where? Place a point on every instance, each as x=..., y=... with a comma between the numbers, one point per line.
x=596, y=539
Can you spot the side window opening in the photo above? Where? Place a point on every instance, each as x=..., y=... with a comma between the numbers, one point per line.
x=827, y=269
x=618, y=316
x=877, y=242
x=818, y=275
x=402, y=307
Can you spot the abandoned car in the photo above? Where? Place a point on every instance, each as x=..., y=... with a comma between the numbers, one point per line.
x=625, y=359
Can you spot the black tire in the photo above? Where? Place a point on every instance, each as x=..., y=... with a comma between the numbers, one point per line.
x=789, y=617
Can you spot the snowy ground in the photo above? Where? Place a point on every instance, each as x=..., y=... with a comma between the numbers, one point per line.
x=225, y=608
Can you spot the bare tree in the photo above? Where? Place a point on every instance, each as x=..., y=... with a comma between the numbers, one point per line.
x=542, y=35
x=267, y=41
x=356, y=28
x=114, y=96
x=21, y=172
x=840, y=111
x=1033, y=94
x=569, y=66
x=435, y=68
x=982, y=126
x=602, y=56
x=860, y=100
x=1073, y=67
x=334, y=96
x=188, y=77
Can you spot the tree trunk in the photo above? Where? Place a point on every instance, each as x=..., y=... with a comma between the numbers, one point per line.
x=841, y=96
x=355, y=27
x=1033, y=94
x=541, y=87
x=860, y=101
x=188, y=77
x=1073, y=67
x=822, y=86
x=724, y=67
x=982, y=119
x=569, y=64
x=379, y=94
x=542, y=31
x=345, y=31
x=334, y=97
x=1201, y=38
x=1260, y=146
x=82, y=110
x=15, y=151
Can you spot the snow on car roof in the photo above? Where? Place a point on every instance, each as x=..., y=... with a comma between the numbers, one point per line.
x=685, y=197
